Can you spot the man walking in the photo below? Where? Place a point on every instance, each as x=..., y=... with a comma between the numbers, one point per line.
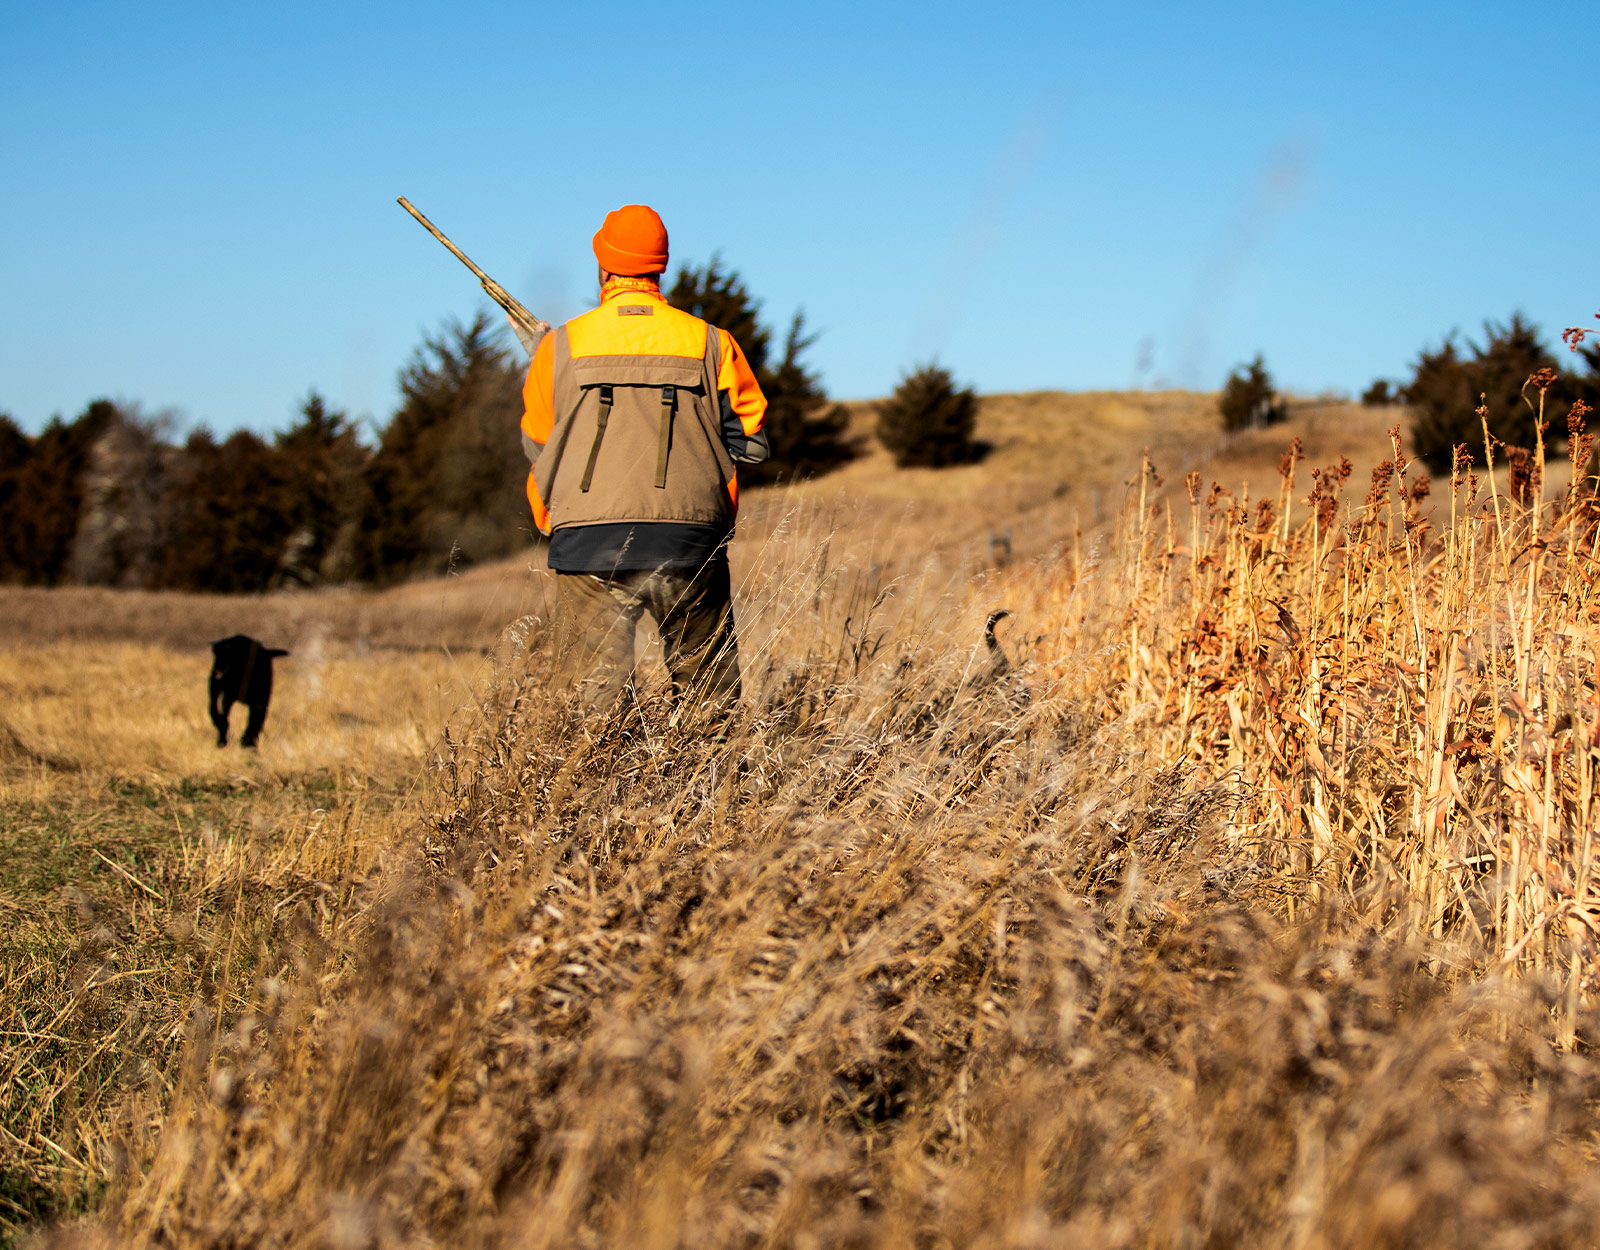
x=635, y=415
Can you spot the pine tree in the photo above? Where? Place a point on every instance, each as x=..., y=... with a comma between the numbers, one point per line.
x=1448, y=386
x=928, y=422
x=41, y=523
x=721, y=298
x=808, y=435
x=321, y=460
x=445, y=485
x=15, y=448
x=1512, y=354
x=1248, y=399
x=1441, y=397
x=227, y=515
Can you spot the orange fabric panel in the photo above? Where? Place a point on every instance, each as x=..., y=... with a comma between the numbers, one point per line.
x=735, y=376
x=538, y=394
x=541, y=514
x=667, y=331
x=733, y=492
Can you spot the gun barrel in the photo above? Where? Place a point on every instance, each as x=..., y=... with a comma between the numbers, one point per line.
x=496, y=292
x=440, y=235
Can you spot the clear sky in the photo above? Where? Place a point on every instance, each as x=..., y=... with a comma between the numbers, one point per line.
x=197, y=200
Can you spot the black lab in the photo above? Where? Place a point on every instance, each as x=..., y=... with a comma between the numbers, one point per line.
x=241, y=672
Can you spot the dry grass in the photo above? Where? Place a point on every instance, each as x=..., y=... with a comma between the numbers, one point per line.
x=461, y=613
x=1252, y=906
x=147, y=872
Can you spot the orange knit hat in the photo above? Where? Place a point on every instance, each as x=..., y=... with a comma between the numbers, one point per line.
x=632, y=241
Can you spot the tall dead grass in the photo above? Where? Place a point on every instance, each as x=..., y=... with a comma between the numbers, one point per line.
x=1402, y=689
x=147, y=874
x=1250, y=903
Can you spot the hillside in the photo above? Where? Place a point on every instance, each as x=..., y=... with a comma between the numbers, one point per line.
x=1060, y=462
x=1247, y=897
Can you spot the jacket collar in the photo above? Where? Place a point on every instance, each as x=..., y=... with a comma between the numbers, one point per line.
x=617, y=286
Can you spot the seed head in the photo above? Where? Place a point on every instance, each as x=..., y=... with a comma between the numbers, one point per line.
x=1523, y=479
x=1400, y=458
x=1292, y=456
x=1323, y=500
x=1382, y=475
x=1577, y=418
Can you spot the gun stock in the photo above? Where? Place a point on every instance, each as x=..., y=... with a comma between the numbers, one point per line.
x=534, y=327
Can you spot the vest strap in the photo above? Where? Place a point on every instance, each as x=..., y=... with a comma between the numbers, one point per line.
x=669, y=400
x=599, y=433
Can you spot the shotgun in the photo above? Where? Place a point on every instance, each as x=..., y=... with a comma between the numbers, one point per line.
x=531, y=328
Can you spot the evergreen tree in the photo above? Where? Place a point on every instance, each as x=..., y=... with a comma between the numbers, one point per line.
x=1442, y=400
x=721, y=298
x=1448, y=386
x=15, y=449
x=228, y=516
x=45, y=486
x=807, y=435
x=928, y=422
x=322, y=461
x=1378, y=395
x=1248, y=399
x=1511, y=355
x=446, y=483
x=1584, y=384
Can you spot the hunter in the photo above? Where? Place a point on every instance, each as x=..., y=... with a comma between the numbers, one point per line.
x=635, y=415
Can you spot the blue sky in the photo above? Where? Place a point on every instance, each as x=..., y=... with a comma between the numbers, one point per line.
x=197, y=201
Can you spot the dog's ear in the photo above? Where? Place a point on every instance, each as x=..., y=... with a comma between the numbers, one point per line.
x=216, y=647
x=273, y=653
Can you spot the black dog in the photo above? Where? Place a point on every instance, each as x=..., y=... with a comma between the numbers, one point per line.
x=241, y=672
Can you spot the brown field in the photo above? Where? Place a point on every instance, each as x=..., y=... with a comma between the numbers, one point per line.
x=1254, y=904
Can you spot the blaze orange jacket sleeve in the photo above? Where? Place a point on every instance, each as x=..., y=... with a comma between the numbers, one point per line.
x=538, y=393
x=539, y=416
x=738, y=382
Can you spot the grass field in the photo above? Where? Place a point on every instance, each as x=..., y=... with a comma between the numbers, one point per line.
x=1251, y=904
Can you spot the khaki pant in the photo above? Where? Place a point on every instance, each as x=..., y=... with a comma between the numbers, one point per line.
x=597, y=614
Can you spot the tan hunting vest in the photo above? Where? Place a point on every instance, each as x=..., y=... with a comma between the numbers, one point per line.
x=635, y=438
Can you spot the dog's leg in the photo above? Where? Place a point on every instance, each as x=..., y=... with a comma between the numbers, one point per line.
x=219, y=711
x=252, y=728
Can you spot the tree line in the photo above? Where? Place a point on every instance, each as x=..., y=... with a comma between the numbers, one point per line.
x=112, y=498
x=1502, y=379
